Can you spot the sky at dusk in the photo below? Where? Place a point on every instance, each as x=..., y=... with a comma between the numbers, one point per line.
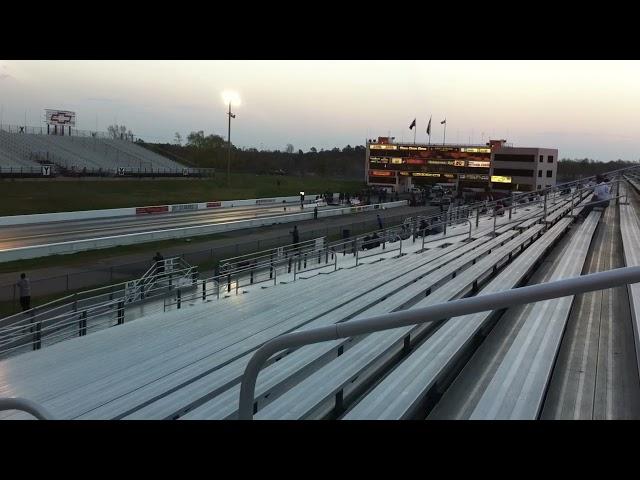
x=583, y=108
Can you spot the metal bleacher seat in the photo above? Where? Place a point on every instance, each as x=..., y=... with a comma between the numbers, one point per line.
x=232, y=327
x=320, y=392
x=526, y=368
x=92, y=153
x=155, y=160
x=403, y=392
x=630, y=230
x=321, y=315
x=289, y=367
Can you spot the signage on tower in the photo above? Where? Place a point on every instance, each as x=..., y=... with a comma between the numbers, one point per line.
x=60, y=117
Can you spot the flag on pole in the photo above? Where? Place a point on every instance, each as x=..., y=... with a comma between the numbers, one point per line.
x=429, y=127
x=413, y=124
x=443, y=121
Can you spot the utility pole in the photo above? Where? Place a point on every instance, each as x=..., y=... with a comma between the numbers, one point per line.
x=231, y=115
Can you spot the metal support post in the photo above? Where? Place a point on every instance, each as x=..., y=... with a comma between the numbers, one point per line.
x=83, y=324
x=38, y=336
x=120, y=313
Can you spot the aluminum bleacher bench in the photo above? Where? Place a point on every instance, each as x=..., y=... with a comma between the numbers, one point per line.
x=325, y=388
x=220, y=408
x=189, y=344
x=630, y=230
x=518, y=386
x=394, y=292
x=402, y=394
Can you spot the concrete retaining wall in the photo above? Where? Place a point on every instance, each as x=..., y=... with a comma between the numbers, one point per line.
x=169, y=234
x=132, y=211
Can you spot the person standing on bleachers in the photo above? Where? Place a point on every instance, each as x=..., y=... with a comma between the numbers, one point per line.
x=601, y=192
x=25, y=292
x=380, y=226
x=295, y=237
x=159, y=259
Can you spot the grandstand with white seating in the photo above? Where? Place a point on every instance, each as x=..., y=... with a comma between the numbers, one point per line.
x=27, y=148
x=575, y=356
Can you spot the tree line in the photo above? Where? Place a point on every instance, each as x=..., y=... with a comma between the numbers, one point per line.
x=210, y=151
x=574, y=169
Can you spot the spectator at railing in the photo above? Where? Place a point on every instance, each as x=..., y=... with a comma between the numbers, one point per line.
x=25, y=292
x=295, y=237
x=159, y=259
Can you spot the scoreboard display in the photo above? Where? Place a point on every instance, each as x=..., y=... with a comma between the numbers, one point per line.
x=428, y=158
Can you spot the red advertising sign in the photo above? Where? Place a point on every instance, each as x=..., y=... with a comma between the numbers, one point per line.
x=415, y=161
x=214, y=204
x=143, y=210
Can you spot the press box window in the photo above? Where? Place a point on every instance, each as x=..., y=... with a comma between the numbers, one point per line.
x=541, y=158
x=549, y=173
x=540, y=173
x=550, y=159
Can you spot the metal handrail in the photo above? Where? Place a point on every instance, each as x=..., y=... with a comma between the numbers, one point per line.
x=419, y=316
x=444, y=232
x=541, y=215
x=268, y=262
x=384, y=251
x=87, y=308
x=82, y=319
x=250, y=256
x=75, y=296
x=333, y=247
x=25, y=405
x=30, y=316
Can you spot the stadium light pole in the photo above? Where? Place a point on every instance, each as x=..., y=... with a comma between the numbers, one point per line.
x=230, y=98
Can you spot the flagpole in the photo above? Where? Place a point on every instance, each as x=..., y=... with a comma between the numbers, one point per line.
x=445, y=132
x=415, y=129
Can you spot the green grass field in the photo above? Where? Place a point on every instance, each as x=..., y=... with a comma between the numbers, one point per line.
x=26, y=197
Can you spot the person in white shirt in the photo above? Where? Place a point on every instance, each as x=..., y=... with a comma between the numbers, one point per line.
x=602, y=192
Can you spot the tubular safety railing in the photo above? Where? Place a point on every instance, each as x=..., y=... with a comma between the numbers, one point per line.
x=78, y=314
x=266, y=270
x=419, y=316
x=25, y=405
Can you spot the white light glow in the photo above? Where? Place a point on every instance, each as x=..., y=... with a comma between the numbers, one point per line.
x=231, y=97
